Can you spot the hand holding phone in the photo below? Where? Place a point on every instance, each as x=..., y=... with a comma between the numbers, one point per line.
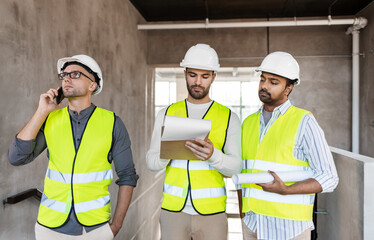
x=60, y=96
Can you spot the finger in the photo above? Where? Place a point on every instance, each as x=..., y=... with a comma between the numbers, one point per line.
x=263, y=184
x=195, y=146
x=200, y=141
x=198, y=154
x=50, y=96
x=197, y=151
x=46, y=96
x=53, y=92
x=205, y=143
x=275, y=176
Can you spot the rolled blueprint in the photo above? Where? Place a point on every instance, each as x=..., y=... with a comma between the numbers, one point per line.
x=265, y=177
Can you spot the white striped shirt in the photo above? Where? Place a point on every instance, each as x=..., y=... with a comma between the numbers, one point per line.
x=310, y=146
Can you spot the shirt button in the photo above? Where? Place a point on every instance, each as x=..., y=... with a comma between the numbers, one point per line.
x=78, y=139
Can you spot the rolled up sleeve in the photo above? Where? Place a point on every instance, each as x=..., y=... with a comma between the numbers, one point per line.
x=21, y=152
x=122, y=156
x=319, y=155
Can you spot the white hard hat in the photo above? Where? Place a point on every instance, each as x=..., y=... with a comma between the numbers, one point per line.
x=282, y=64
x=201, y=56
x=87, y=61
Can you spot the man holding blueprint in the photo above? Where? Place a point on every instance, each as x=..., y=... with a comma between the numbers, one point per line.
x=194, y=195
x=280, y=139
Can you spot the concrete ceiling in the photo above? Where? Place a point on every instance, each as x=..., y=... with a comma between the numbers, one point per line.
x=183, y=10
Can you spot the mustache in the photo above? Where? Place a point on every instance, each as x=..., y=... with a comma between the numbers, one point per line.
x=192, y=86
x=264, y=91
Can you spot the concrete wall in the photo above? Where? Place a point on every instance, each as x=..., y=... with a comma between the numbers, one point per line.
x=33, y=35
x=324, y=55
x=350, y=208
x=367, y=83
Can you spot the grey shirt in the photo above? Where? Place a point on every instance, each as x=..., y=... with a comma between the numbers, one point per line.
x=22, y=152
x=266, y=115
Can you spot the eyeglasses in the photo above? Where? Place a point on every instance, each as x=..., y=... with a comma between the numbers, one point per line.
x=72, y=75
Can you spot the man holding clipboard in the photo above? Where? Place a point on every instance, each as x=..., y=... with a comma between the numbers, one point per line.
x=194, y=195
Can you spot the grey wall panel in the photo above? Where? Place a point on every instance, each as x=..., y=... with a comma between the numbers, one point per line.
x=367, y=83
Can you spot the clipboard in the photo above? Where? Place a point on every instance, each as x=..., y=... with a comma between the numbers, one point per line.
x=175, y=148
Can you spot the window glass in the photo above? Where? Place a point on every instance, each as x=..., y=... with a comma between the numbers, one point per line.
x=236, y=88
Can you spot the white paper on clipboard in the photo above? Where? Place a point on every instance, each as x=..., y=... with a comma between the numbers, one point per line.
x=176, y=131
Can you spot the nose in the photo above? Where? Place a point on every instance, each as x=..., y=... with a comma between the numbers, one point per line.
x=67, y=79
x=264, y=84
x=198, y=79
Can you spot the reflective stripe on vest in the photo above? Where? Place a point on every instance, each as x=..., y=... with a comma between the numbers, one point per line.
x=206, y=185
x=81, y=177
x=193, y=165
x=275, y=152
x=274, y=197
x=196, y=193
x=79, y=207
x=273, y=166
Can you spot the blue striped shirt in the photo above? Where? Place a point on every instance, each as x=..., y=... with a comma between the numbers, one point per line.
x=310, y=146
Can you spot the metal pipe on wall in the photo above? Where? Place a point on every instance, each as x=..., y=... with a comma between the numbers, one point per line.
x=354, y=30
x=355, y=91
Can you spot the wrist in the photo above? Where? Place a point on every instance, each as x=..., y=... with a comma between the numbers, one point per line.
x=42, y=113
x=284, y=190
x=214, y=157
x=116, y=224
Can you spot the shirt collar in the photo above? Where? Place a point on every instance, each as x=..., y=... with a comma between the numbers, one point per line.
x=282, y=108
x=84, y=112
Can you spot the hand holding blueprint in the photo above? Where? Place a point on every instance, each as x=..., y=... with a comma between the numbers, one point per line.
x=176, y=131
x=265, y=177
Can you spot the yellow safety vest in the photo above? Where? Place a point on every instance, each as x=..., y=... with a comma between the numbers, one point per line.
x=275, y=152
x=204, y=183
x=77, y=179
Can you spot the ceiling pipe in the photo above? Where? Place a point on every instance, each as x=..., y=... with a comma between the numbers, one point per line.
x=289, y=23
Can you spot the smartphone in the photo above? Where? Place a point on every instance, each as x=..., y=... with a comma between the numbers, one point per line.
x=60, y=96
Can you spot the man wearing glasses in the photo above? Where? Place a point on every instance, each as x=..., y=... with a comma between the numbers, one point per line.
x=82, y=141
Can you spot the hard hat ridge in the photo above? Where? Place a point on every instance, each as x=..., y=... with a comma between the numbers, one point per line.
x=201, y=56
x=282, y=64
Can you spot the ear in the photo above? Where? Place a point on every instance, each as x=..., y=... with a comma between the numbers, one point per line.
x=288, y=89
x=93, y=86
x=213, y=76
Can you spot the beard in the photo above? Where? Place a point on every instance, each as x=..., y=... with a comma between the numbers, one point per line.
x=265, y=96
x=74, y=93
x=198, y=95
